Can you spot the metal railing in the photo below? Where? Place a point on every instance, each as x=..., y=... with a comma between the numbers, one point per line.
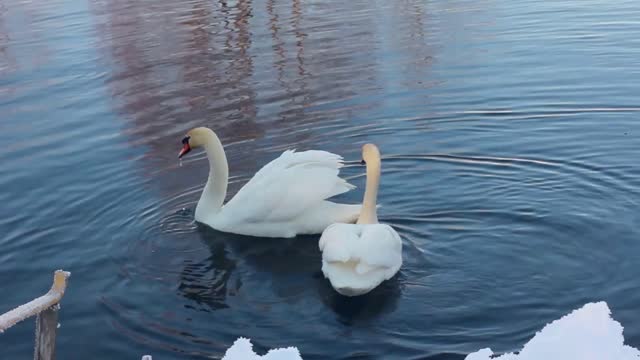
x=45, y=308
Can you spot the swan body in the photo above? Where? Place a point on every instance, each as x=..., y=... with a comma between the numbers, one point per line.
x=285, y=198
x=356, y=258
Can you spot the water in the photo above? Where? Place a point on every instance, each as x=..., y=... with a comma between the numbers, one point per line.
x=509, y=132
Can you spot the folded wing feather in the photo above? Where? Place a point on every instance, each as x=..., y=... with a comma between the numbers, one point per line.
x=280, y=191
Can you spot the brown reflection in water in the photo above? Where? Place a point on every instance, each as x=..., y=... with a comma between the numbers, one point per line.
x=4, y=40
x=178, y=65
x=175, y=66
x=322, y=57
x=346, y=37
x=294, y=89
x=26, y=33
x=416, y=43
x=296, y=13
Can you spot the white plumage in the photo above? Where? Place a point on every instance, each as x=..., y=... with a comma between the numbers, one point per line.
x=356, y=258
x=287, y=187
x=287, y=197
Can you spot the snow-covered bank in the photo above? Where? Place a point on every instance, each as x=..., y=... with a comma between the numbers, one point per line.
x=242, y=349
x=588, y=333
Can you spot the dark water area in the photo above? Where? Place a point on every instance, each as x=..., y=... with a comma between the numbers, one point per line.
x=510, y=140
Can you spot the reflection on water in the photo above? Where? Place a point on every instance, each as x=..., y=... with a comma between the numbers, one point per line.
x=509, y=169
x=4, y=41
x=170, y=69
x=362, y=309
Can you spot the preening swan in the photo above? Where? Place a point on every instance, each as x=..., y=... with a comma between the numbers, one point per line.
x=287, y=197
x=358, y=257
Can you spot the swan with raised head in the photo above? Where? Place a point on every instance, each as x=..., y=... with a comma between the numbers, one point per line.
x=287, y=197
x=356, y=258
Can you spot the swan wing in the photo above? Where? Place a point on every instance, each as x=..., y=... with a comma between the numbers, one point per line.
x=335, y=242
x=287, y=186
x=380, y=248
x=375, y=246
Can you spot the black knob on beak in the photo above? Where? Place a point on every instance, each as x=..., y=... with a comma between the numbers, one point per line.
x=185, y=147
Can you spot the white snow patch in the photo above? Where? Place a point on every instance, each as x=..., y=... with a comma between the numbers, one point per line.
x=242, y=349
x=588, y=333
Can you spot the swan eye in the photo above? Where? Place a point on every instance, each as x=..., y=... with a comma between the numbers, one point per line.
x=185, y=141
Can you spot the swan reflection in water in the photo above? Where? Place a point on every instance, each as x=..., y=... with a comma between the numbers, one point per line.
x=262, y=273
x=206, y=282
x=361, y=309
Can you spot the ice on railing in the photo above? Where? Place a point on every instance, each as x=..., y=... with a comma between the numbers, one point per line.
x=588, y=333
x=242, y=349
x=36, y=306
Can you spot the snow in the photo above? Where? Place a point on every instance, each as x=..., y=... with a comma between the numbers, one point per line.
x=588, y=333
x=242, y=349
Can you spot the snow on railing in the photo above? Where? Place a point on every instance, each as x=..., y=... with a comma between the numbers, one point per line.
x=45, y=308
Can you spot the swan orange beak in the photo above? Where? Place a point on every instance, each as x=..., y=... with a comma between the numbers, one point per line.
x=185, y=149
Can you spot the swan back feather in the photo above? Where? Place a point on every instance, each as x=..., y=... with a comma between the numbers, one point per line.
x=357, y=258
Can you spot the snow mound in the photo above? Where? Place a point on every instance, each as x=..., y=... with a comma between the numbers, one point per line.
x=588, y=333
x=242, y=349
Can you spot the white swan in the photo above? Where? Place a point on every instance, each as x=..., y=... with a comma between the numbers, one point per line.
x=285, y=198
x=358, y=257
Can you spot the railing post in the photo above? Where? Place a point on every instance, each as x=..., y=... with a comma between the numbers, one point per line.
x=46, y=329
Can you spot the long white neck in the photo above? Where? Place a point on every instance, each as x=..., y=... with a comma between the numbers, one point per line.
x=214, y=192
x=368, y=214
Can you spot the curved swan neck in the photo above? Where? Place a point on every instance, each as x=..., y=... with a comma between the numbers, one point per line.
x=369, y=215
x=215, y=191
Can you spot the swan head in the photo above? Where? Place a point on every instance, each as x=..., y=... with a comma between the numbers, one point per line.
x=370, y=154
x=195, y=138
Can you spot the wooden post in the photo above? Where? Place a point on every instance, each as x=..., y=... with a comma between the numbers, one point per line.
x=46, y=329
